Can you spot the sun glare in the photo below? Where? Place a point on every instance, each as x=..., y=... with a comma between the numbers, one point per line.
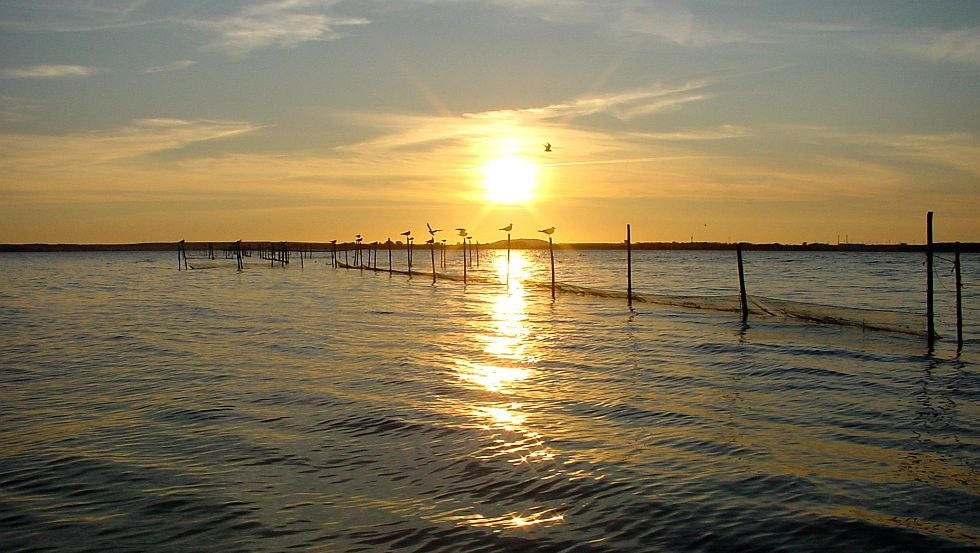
x=510, y=180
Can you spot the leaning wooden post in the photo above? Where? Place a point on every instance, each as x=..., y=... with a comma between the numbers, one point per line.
x=930, y=313
x=551, y=250
x=741, y=284
x=629, y=268
x=959, y=298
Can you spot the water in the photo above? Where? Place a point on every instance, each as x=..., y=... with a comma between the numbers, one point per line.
x=142, y=408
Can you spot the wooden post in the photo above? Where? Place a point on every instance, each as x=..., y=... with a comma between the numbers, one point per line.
x=477, y=253
x=432, y=253
x=741, y=284
x=930, y=313
x=551, y=250
x=959, y=298
x=389, y=256
x=464, y=261
x=629, y=268
x=180, y=249
x=409, y=240
x=508, y=260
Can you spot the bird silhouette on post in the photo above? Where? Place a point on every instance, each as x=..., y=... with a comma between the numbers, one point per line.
x=547, y=146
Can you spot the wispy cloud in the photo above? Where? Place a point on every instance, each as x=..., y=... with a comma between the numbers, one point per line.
x=48, y=71
x=671, y=21
x=282, y=23
x=959, y=46
x=139, y=138
x=175, y=66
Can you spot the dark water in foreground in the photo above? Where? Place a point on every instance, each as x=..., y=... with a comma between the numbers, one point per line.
x=147, y=409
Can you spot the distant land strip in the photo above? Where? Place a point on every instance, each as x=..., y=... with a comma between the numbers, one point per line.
x=517, y=244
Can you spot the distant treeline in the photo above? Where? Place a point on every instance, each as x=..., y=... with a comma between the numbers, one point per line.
x=518, y=244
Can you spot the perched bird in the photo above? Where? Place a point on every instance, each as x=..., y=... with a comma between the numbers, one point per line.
x=462, y=231
x=547, y=146
x=508, y=228
x=333, y=241
x=407, y=233
x=549, y=231
x=430, y=241
x=433, y=231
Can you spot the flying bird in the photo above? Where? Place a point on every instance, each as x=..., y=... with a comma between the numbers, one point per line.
x=433, y=231
x=547, y=146
x=549, y=231
x=508, y=228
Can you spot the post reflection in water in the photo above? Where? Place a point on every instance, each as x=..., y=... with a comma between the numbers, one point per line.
x=501, y=373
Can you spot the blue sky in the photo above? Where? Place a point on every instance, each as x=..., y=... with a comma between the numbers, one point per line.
x=127, y=121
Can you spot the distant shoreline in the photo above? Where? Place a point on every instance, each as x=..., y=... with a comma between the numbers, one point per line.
x=517, y=244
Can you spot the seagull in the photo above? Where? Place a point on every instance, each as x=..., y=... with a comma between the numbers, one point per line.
x=333, y=241
x=433, y=231
x=430, y=241
x=508, y=228
x=547, y=146
x=462, y=231
x=407, y=233
x=549, y=231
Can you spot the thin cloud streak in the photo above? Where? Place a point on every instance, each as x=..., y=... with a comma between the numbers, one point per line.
x=175, y=66
x=48, y=72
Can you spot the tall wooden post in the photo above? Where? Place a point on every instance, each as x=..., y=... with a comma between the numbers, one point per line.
x=959, y=298
x=551, y=250
x=741, y=284
x=508, y=260
x=477, y=253
x=432, y=254
x=629, y=268
x=464, y=261
x=930, y=313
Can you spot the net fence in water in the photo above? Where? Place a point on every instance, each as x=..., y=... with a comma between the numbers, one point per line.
x=871, y=319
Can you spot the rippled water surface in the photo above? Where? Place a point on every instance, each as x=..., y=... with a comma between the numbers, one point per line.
x=144, y=408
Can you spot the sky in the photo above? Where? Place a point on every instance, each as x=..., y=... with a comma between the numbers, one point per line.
x=312, y=120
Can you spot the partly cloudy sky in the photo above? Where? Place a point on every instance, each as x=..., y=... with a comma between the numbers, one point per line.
x=312, y=120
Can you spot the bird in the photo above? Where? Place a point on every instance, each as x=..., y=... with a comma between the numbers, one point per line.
x=358, y=237
x=430, y=241
x=333, y=241
x=508, y=228
x=549, y=231
x=433, y=231
x=407, y=233
x=547, y=146
x=462, y=231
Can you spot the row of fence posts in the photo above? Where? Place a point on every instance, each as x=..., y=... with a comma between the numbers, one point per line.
x=930, y=310
x=279, y=253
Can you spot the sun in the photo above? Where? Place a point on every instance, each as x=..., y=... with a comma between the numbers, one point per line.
x=510, y=180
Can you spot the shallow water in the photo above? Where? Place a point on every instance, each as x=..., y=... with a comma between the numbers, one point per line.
x=149, y=409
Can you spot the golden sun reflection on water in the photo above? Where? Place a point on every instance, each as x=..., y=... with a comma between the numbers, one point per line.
x=504, y=371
